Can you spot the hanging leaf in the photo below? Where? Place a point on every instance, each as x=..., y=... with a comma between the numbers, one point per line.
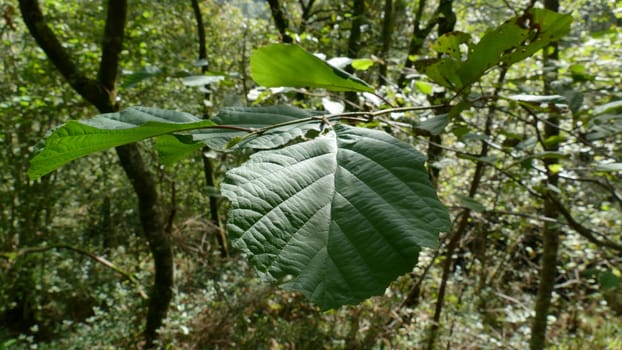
x=76, y=139
x=173, y=148
x=336, y=217
x=289, y=65
x=434, y=125
x=136, y=77
x=511, y=42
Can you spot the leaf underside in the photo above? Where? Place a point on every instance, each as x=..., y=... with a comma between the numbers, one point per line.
x=336, y=218
x=258, y=118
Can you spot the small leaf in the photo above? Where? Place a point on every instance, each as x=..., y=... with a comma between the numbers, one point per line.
x=173, y=148
x=555, y=168
x=134, y=78
x=608, y=280
x=362, y=63
x=200, y=80
x=434, y=125
x=336, y=217
x=424, y=87
x=289, y=65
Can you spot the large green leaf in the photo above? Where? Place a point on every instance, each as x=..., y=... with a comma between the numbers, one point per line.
x=289, y=65
x=338, y=217
x=259, y=118
x=76, y=139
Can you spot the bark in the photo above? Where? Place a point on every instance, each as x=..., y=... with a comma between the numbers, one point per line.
x=279, y=20
x=385, y=38
x=551, y=231
x=306, y=14
x=465, y=216
x=208, y=167
x=101, y=92
x=417, y=39
x=354, y=45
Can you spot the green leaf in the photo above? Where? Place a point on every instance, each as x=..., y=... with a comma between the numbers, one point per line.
x=76, y=139
x=289, y=65
x=442, y=71
x=608, y=280
x=434, y=125
x=258, y=118
x=336, y=217
x=173, y=148
x=362, y=63
x=615, y=106
x=449, y=44
x=424, y=87
x=471, y=203
x=145, y=73
x=511, y=42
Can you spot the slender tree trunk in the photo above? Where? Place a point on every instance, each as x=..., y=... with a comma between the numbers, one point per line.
x=551, y=231
x=385, y=38
x=417, y=39
x=101, y=92
x=280, y=21
x=306, y=14
x=354, y=45
x=208, y=166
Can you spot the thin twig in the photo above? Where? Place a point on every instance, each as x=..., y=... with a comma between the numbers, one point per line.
x=96, y=258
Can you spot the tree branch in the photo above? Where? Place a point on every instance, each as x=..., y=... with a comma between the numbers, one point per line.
x=89, y=89
x=112, y=44
x=103, y=261
x=582, y=230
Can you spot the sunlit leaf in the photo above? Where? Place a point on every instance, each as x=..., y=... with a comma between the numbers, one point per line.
x=290, y=65
x=362, y=63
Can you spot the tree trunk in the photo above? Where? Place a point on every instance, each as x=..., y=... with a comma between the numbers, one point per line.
x=354, y=44
x=551, y=231
x=101, y=92
x=280, y=21
x=385, y=39
x=417, y=39
x=208, y=167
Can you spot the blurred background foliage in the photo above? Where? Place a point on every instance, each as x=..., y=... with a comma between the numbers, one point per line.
x=53, y=296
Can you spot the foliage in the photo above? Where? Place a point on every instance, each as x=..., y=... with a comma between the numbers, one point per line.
x=219, y=303
x=302, y=219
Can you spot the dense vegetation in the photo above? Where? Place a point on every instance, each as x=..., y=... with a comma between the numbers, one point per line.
x=516, y=109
